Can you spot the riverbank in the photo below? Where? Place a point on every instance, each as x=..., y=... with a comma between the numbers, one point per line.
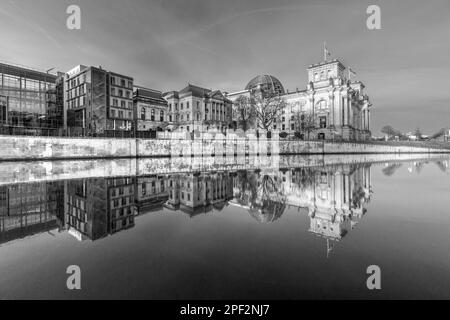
x=54, y=148
x=38, y=171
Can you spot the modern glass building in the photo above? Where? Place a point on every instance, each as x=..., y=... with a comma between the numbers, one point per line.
x=25, y=96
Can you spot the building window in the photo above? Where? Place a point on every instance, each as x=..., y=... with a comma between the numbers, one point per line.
x=322, y=122
x=153, y=115
x=161, y=116
x=322, y=105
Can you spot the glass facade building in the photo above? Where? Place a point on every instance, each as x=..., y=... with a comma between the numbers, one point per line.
x=25, y=97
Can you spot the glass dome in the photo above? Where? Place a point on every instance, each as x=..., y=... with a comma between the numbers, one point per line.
x=265, y=83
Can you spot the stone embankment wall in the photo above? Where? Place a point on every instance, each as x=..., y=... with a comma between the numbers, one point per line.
x=46, y=148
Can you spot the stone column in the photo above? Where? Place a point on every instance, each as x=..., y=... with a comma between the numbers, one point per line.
x=345, y=110
x=350, y=111
x=332, y=111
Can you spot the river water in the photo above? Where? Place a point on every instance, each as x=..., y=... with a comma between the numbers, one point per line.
x=307, y=230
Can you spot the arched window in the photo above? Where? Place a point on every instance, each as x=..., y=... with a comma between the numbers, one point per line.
x=322, y=104
x=316, y=77
x=329, y=74
x=322, y=75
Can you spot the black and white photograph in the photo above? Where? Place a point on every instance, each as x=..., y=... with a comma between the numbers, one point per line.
x=224, y=155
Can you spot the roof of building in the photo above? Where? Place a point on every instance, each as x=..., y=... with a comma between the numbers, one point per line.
x=148, y=94
x=24, y=72
x=196, y=91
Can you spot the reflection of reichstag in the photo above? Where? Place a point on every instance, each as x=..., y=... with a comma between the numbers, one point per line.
x=333, y=197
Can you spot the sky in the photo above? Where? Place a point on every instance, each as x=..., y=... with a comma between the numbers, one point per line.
x=222, y=45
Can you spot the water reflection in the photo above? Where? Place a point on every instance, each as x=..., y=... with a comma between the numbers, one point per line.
x=335, y=198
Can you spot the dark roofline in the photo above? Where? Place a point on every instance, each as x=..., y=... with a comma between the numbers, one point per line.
x=118, y=74
x=147, y=89
x=27, y=73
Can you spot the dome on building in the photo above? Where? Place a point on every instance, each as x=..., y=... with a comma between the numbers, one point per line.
x=266, y=83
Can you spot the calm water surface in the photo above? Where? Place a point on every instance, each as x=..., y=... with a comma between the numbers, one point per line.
x=306, y=232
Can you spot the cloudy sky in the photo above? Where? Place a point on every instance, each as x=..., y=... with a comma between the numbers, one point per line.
x=223, y=44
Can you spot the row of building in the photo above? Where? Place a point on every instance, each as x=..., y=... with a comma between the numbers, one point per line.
x=92, y=101
x=334, y=198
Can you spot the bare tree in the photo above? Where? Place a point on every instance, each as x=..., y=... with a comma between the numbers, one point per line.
x=244, y=112
x=268, y=110
x=303, y=123
x=391, y=132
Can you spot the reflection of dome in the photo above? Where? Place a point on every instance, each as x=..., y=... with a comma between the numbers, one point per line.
x=267, y=212
x=266, y=83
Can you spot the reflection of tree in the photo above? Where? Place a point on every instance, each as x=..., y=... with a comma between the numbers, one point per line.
x=390, y=169
x=418, y=166
x=262, y=194
x=247, y=185
x=441, y=165
x=305, y=179
x=358, y=197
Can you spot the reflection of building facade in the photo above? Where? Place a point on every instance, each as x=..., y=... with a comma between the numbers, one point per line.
x=97, y=208
x=332, y=106
x=151, y=192
x=333, y=197
x=198, y=109
x=196, y=193
x=31, y=208
x=98, y=102
x=3, y=110
x=27, y=95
